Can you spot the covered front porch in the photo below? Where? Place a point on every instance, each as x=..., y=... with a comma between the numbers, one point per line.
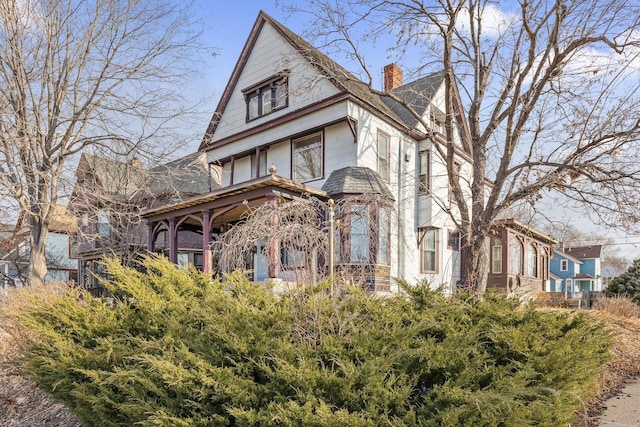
x=204, y=218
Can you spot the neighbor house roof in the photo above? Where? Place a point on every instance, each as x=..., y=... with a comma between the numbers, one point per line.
x=356, y=180
x=186, y=176
x=525, y=229
x=585, y=252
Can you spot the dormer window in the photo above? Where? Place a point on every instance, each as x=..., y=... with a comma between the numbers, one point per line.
x=267, y=96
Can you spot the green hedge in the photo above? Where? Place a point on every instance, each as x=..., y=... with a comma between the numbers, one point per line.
x=176, y=350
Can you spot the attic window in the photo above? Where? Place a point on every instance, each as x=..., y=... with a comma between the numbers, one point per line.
x=267, y=96
x=437, y=121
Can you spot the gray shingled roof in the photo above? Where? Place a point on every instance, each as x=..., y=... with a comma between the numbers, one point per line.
x=356, y=180
x=332, y=70
x=418, y=95
x=186, y=175
x=585, y=252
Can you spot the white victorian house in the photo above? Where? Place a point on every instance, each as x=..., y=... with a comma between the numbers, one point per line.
x=292, y=122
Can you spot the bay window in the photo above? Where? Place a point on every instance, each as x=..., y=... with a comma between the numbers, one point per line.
x=359, y=234
x=496, y=257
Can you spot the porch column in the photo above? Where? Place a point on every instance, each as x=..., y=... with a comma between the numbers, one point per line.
x=206, y=241
x=173, y=241
x=273, y=246
x=151, y=241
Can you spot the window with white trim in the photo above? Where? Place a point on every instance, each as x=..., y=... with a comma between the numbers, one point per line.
x=564, y=265
x=307, y=155
x=383, y=155
x=438, y=121
x=428, y=250
x=424, y=184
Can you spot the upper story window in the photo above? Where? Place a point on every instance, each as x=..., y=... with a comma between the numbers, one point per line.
x=103, y=228
x=425, y=172
x=437, y=121
x=564, y=265
x=307, y=157
x=383, y=155
x=453, y=240
x=266, y=97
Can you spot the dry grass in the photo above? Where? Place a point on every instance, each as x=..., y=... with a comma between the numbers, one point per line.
x=22, y=403
x=623, y=321
x=618, y=306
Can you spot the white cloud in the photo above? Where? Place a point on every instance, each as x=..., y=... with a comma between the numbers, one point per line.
x=495, y=21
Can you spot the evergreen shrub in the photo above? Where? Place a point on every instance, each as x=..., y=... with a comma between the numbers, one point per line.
x=173, y=349
x=627, y=284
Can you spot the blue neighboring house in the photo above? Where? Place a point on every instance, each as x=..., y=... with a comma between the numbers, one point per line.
x=576, y=269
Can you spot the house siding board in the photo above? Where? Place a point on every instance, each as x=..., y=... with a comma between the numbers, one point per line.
x=272, y=54
x=279, y=133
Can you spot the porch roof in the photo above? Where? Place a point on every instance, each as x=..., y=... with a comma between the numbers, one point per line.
x=269, y=182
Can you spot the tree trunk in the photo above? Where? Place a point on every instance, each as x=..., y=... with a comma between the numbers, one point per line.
x=475, y=267
x=37, y=260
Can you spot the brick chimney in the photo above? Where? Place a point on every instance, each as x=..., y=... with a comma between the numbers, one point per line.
x=392, y=77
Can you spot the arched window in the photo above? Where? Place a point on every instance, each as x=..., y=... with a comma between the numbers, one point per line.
x=515, y=256
x=532, y=261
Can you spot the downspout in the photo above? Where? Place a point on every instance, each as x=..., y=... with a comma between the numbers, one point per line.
x=401, y=267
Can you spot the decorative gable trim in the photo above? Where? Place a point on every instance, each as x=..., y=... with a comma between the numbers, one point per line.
x=235, y=75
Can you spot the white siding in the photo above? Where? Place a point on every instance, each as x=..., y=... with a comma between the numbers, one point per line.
x=285, y=130
x=271, y=55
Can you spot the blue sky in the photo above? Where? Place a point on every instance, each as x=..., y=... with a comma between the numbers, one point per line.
x=228, y=24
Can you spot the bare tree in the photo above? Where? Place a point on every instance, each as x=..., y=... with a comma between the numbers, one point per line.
x=110, y=194
x=298, y=230
x=550, y=93
x=78, y=74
